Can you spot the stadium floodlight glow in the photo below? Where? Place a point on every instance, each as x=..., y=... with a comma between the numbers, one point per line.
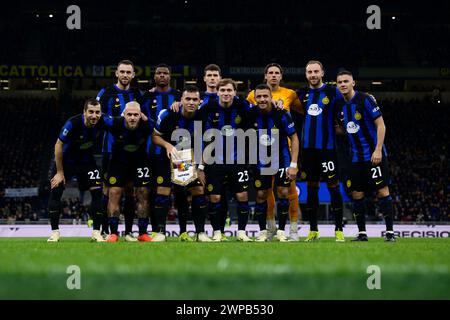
x=190, y=82
x=143, y=81
x=4, y=81
x=50, y=16
x=51, y=89
x=393, y=18
x=439, y=101
x=37, y=16
x=48, y=81
x=5, y=88
x=377, y=82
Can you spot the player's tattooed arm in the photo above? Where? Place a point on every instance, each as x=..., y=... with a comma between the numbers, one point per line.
x=59, y=176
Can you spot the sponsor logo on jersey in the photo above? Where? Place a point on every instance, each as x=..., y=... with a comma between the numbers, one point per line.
x=227, y=131
x=266, y=140
x=65, y=132
x=314, y=110
x=375, y=109
x=352, y=127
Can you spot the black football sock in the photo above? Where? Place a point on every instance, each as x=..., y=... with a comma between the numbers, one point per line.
x=243, y=210
x=214, y=217
x=162, y=204
x=336, y=207
x=223, y=213
x=96, y=208
x=153, y=220
x=143, y=225
x=359, y=212
x=114, y=225
x=54, y=206
x=261, y=215
x=182, y=207
x=282, y=212
x=387, y=209
x=105, y=227
x=199, y=210
x=312, y=207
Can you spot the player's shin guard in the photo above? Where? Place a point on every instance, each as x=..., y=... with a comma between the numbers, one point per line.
x=54, y=206
x=182, y=208
x=359, y=212
x=282, y=212
x=223, y=212
x=243, y=210
x=129, y=211
x=114, y=225
x=336, y=207
x=387, y=209
x=312, y=207
x=142, y=225
x=162, y=204
x=261, y=214
x=105, y=227
x=199, y=209
x=96, y=208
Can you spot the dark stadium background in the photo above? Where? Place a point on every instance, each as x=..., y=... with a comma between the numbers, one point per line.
x=405, y=65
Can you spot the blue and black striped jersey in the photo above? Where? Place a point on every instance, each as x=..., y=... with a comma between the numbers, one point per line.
x=359, y=115
x=318, y=127
x=227, y=120
x=78, y=140
x=169, y=120
x=113, y=101
x=266, y=124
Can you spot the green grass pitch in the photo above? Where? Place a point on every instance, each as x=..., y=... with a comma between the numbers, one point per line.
x=411, y=268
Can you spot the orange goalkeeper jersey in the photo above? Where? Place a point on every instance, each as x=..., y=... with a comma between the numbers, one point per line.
x=288, y=97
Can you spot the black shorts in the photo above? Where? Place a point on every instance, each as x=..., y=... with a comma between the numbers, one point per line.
x=237, y=176
x=264, y=182
x=106, y=156
x=367, y=177
x=317, y=165
x=87, y=175
x=119, y=173
x=162, y=176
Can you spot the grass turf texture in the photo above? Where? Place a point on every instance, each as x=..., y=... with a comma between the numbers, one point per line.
x=412, y=268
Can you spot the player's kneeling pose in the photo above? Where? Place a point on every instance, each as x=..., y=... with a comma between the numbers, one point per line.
x=273, y=124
